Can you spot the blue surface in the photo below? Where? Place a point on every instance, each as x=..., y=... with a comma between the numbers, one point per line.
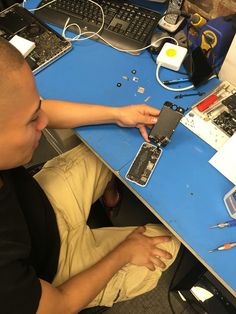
x=185, y=190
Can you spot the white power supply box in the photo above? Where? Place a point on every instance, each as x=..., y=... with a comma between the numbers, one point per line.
x=171, y=56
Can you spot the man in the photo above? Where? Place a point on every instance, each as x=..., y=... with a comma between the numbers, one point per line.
x=50, y=260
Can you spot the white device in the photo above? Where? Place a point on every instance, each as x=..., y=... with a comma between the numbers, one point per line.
x=226, y=72
x=230, y=202
x=25, y=46
x=171, y=56
x=171, y=28
x=172, y=20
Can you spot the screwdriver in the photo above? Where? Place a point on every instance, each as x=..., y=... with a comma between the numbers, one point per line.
x=229, y=223
x=226, y=246
x=186, y=95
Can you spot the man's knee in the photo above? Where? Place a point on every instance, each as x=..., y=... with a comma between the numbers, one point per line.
x=171, y=246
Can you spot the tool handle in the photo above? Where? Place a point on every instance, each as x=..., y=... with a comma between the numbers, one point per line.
x=231, y=223
x=207, y=102
x=226, y=246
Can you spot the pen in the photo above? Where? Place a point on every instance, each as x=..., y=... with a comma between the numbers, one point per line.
x=226, y=246
x=229, y=223
x=180, y=80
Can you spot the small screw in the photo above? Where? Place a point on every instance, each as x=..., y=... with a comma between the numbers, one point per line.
x=135, y=79
x=141, y=90
x=133, y=71
x=118, y=84
x=147, y=99
x=125, y=77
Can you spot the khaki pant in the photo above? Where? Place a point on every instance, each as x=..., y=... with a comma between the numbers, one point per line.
x=73, y=181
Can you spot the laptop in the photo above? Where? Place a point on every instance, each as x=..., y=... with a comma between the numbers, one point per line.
x=47, y=44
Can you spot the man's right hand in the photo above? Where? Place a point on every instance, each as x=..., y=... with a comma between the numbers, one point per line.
x=142, y=250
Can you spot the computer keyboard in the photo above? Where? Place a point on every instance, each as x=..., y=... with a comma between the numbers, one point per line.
x=127, y=26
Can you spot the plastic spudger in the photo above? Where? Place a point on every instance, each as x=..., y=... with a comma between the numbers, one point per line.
x=206, y=103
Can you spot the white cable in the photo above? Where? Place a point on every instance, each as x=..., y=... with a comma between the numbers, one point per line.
x=23, y=3
x=67, y=26
x=123, y=50
x=77, y=37
x=101, y=27
x=136, y=50
x=39, y=8
x=174, y=89
x=167, y=87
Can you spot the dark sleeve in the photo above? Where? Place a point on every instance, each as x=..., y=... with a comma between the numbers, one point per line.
x=20, y=289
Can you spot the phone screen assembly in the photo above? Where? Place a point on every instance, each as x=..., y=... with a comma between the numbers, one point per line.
x=148, y=154
x=168, y=119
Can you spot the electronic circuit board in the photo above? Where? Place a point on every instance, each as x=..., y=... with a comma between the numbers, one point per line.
x=144, y=163
x=49, y=45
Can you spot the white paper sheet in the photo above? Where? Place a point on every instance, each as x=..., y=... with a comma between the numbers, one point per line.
x=225, y=159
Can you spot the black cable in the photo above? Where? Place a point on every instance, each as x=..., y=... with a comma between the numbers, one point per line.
x=152, y=56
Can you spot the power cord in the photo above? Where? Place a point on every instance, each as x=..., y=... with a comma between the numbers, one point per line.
x=39, y=8
x=167, y=87
x=78, y=36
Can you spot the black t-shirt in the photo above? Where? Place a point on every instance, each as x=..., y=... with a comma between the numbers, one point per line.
x=29, y=242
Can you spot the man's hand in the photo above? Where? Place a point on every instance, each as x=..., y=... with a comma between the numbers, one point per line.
x=142, y=250
x=138, y=116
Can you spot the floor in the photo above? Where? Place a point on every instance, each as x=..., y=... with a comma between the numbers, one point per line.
x=159, y=300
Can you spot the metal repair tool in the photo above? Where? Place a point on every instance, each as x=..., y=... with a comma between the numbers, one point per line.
x=186, y=95
x=175, y=81
x=229, y=223
x=226, y=246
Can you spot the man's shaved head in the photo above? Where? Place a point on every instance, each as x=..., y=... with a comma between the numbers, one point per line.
x=21, y=119
x=11, y=61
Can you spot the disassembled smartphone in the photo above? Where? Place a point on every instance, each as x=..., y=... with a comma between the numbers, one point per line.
x=144, y=163
x=148, y=154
